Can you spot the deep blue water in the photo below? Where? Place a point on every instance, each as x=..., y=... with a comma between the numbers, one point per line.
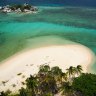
x=84, y=3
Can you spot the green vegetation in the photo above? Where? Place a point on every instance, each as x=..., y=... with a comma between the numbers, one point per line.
x=18, y=8
x=51, y=81
x=86, y=84
x=22, y=7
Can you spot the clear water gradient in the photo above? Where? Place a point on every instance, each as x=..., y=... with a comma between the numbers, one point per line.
x=18, y=31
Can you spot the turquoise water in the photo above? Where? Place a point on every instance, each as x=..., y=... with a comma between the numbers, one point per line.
x=75, y=24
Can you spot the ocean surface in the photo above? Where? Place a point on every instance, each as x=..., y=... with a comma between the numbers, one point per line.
x=84, y=3
x=45, y=28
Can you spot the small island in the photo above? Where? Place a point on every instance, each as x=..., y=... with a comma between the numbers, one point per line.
x=25, y=8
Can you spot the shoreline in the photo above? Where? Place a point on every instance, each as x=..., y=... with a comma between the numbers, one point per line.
x=27, y=62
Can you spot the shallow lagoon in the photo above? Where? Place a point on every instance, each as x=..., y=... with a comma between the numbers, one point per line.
x=75, y=24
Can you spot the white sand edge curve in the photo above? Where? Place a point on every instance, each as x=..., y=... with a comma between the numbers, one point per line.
x=29, y=61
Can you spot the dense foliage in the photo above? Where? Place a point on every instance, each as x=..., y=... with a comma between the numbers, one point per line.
x=18, y=8
x=86, y=84
x=51, y=81
x=22, y=7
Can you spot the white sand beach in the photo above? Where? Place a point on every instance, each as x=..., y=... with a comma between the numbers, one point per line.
x=28, y=62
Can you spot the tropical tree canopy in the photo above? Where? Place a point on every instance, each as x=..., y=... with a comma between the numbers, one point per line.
x=50, y=81
x=44, y=68
x=79, y=69
x=66, y=89
x=56, y=70
x=86, y=84
x=32, y=84
x=64, y=77
x=71, y=71
x=23, y=92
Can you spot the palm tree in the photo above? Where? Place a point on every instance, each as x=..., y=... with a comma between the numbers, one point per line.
x=57, y=73
x=66, y=89
x=32, y=85
x=71, y=71
x=43, y=71
x=48, y=85
x=79, y=69
x=23, y=92
x=64, y=77
x=47, y=82
x=44, y=68
x=56, y=70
